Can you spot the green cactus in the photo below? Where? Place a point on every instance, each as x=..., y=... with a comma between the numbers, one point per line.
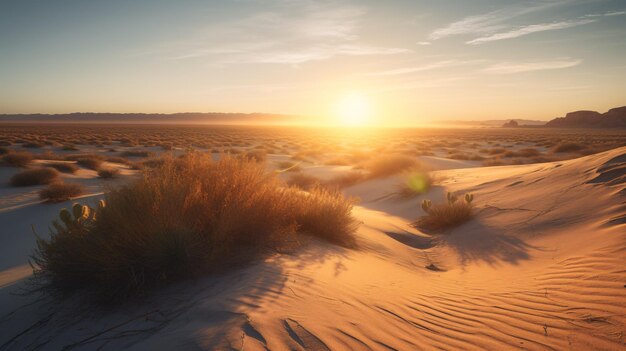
x=469, y=197
x=65, y=216
x=426, y=205
x=77, y=220
x=451, y=198
x=78, y=210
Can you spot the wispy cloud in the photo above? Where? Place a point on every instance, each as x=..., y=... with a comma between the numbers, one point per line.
x=533, y=28
x=488, y=22
x=315, y=53
x=607, y=14
x=493, y=26
x=520, y=67
x=422, y=68
x=289, y=32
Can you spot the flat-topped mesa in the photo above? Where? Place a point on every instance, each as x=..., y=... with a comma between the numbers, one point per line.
x=614, y=118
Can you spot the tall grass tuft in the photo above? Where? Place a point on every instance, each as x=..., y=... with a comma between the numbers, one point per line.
x=185, y=217
x=440, y=217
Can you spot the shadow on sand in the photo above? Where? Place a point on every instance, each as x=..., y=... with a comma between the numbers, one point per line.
x=209, y=313
x=476, y=242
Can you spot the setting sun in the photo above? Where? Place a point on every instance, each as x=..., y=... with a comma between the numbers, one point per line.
x=354, y=110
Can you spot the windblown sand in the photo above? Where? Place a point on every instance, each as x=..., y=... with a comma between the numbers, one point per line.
x=540, y=267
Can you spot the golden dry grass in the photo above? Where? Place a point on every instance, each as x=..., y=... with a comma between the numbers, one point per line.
x=441, y=217
x=59, y=191
x=108, y=173
x=185, y=217
x=18, y=159
x=35, y=176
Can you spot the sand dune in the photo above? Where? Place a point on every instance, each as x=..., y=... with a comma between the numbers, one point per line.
x=541, y=267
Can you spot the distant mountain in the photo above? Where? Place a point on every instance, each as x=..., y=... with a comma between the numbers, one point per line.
x=186, y=117
x=614, y=118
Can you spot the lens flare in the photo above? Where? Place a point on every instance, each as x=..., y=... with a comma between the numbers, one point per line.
x=418, y=182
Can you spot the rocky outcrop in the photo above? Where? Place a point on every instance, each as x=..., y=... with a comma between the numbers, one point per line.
x=614, y=118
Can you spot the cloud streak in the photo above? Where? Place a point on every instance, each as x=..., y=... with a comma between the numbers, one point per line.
x=291, y=32
x=492, y=26
x=486, y=23
x=517, y=67
x=422, y=68
x=530, y=29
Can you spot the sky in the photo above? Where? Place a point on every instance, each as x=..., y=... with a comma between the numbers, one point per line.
x=400, y=61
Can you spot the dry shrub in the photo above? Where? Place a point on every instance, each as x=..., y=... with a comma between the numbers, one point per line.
x=187, y=217
x=498, y=150
x=387, y=165
x=64, y=167
x=303, y=181
x=136, y=153
x=528, y=152
x=445, y=216
x=58, y=191
x=568, y=147
x=36, y=176
x=117, y=159
x=258, y=155
x=108, y=173
x=18, y=159
x=344, y=180
x=90, y=163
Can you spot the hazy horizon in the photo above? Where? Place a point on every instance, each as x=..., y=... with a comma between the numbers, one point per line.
x=397, y=62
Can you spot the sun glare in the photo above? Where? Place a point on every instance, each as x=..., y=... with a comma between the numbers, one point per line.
x=354, y=110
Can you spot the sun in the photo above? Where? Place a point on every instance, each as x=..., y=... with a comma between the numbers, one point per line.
x=354, y=110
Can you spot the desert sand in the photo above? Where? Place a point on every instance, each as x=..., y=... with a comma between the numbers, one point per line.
x=540, y=267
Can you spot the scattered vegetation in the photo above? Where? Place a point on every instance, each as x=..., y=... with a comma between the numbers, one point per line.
x=92, y=163
x=303, y=181
x=344, y=180
x=59, y=191
x=18, y=159
x=35, y=176
x=386, y=165
x=186, y=217
x=450, y=214
x=64, y=167
x=108, y=173
x=136, y=153
x=568, y=147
